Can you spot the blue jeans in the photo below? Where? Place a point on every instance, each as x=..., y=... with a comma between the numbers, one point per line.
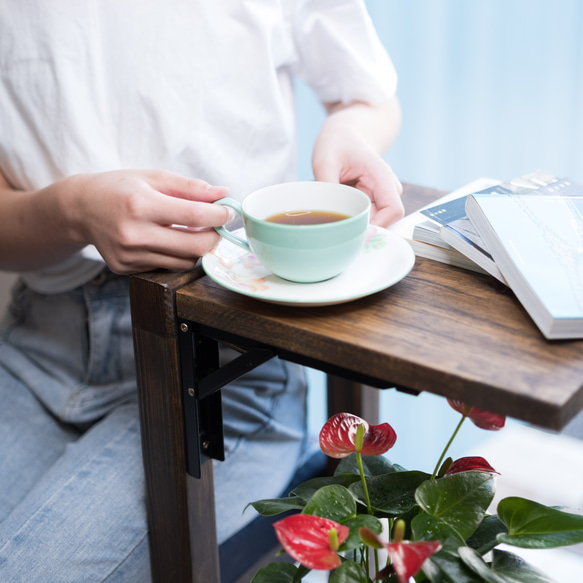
x=72, y=503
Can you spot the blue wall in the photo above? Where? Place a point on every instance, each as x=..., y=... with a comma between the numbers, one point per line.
x=488, y=88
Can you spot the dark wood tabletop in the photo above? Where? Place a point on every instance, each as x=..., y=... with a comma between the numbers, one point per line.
x=441, y=329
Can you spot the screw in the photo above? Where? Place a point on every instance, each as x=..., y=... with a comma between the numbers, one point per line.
x=183, y=327
x=191, y=391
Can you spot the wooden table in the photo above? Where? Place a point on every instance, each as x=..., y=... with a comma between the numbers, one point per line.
x=443, y=330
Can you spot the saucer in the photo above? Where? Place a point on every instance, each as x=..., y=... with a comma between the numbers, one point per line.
x=385, y=259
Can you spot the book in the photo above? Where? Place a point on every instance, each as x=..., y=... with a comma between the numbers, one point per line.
x=536, y=240
x=422, y=232
x=461, y=235
x=458, y=232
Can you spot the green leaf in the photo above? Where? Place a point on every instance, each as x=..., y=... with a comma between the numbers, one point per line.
x=390, y=494
x=275, y=573
x=460, y=500
x=505, y=568
x=484, y=538
x=535, y=526
x=517, y=570
x=475, y=562
x=306, y=490
x=348, y=572
x=427, y=527
x=354, y=541
x=333, y=502
x=446, y=567
x=271, y=507
x=373, y=466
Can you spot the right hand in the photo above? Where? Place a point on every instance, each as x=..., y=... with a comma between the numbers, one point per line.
x=133, y=218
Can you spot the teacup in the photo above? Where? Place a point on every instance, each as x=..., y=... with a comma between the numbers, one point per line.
x=302, y=252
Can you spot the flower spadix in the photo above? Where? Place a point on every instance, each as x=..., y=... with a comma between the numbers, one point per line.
x=345, y=433
x=479, y=417
x=312, y=540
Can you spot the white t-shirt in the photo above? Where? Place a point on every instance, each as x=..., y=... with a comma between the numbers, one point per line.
x=201, y=88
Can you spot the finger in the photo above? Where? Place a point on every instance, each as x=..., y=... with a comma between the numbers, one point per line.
x=182, y=243
x=387, y=206
x=398, y=185
x=151, y=261
x=388, y=215
x=185, y=187
x=177, y=211
x=135, y=252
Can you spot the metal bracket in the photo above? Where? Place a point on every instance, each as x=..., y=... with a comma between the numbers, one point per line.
x=202, y=380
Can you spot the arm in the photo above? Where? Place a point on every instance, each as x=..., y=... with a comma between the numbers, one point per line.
x=126, y=214
x=349, y=150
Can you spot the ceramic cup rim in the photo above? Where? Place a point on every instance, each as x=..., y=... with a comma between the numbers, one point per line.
x=355, y=195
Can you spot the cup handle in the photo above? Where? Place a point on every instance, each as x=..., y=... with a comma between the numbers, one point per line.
x=236, y=206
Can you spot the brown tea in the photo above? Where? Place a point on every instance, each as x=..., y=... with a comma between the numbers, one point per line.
x=307, y=217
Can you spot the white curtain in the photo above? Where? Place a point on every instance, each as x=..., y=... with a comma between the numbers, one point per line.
x=488, y=88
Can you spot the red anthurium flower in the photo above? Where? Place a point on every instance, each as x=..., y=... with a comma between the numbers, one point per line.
x=479, y=417
x=311, y=540
x=407, y=557
x=340, y=436
x=466, y=464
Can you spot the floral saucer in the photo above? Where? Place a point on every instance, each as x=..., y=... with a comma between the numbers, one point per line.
x=384, y=260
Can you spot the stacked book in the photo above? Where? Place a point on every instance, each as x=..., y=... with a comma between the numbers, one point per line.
x=526, y=232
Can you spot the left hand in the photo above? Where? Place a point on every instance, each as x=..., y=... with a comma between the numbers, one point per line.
x=342, y=154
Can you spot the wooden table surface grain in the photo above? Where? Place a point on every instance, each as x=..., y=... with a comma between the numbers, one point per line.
x=441, y=329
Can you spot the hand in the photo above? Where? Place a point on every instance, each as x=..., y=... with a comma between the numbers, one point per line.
x=344, y=153
x=364, y=169
x=143, y=220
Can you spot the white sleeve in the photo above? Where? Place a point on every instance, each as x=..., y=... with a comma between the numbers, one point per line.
x=339, y=53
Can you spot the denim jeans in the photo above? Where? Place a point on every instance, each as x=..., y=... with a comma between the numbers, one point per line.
x=72, y=503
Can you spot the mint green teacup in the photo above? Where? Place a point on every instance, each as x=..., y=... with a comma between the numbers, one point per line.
x=302, y=252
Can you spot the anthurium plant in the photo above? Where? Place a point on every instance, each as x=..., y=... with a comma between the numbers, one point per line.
x=374, y=520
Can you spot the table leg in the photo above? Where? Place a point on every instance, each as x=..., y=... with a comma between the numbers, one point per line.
x=346, y=396
x=183, y=543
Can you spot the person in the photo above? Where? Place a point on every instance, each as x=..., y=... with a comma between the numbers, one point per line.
x=120, y=123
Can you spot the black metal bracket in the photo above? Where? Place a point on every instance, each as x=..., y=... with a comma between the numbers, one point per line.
x=202, y=380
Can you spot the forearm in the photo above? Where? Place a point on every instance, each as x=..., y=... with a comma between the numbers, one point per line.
x=33, y=227
x=377, y=125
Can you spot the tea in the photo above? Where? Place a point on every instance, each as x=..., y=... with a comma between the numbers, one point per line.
x=306, y=217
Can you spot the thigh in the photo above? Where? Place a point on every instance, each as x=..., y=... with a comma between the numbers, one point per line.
x=86, y=519
x=31, y=440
